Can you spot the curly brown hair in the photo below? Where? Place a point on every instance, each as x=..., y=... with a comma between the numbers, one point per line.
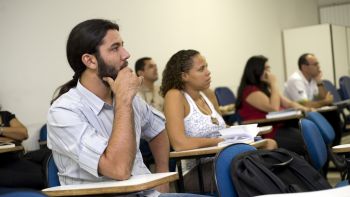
x=172, y=75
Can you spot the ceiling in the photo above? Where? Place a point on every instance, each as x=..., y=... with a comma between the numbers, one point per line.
x=322, y=3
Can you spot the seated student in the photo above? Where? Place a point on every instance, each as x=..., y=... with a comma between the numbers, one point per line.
x=305, y=87
x=258, y=94
x=147, y=68
x=96, y=122
x=17, y=170
x=191, y=111
x=149, y=92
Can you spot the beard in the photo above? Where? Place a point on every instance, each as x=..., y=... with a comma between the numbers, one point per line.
x=107, y=70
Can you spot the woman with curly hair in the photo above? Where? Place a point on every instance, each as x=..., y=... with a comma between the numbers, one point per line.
x=192, y=120
x=191, y=111
x=186, y=80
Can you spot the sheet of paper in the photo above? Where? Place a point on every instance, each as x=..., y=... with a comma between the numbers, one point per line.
x=244, y=131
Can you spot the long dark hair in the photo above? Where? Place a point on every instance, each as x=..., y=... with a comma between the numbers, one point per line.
x=85, y=37
x=253, y=70
x=172, y=75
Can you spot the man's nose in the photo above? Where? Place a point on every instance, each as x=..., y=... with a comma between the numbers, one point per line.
x=125, y=54
x=208, y=73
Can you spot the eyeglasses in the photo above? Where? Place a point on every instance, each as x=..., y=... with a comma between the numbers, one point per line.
x=314, y=64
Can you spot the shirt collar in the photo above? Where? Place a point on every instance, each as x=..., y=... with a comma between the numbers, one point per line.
x=303, y=77
x=94, y=101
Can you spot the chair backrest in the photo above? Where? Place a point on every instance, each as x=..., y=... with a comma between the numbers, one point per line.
x=344, y=83
x=222, y=168
x=323, y=125
x=225, y=96
x=52, y=179
x=332, y=89
x=314, y=143
x=43, y=133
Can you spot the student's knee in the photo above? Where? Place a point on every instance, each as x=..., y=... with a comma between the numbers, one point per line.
x=271, y=144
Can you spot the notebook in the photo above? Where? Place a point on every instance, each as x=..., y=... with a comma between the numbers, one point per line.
x=283, y=113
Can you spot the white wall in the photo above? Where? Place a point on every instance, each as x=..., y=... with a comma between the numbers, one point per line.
x=33, y=36
x=340, y=52
x=312, y=39
x=336, y=14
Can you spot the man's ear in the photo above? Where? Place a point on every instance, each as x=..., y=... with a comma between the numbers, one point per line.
x=140, y=73
x=89, y=60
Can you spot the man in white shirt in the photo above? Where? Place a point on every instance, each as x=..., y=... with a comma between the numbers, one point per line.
x=95, y=123
x=305, y=85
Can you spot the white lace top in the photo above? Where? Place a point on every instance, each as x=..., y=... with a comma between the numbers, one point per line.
x=198, y=124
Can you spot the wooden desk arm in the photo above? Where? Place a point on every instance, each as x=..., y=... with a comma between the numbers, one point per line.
x=265, y=130
x=343, y=148
x=227, y=109
x=259, y=144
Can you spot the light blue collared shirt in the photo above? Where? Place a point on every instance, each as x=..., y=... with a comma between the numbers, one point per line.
x=79, y=126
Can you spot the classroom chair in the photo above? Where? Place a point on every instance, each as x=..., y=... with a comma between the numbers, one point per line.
x=226, y=100
x=52, y=179
x=315, y=146
x=344, y=83
x=222, y=168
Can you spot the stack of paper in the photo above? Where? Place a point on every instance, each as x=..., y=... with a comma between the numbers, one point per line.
x=239, y=134
x=283, y=113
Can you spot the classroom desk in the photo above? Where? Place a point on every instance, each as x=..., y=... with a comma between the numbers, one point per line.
x=13, y=149
x=134, y=184
x=326, y=109
x=197, y=154
x=264, y=121
x=342, y=104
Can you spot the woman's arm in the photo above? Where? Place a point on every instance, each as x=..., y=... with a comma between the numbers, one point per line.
x=174, y=111
x=16, y=130
x=261, y=101
x=286, y=103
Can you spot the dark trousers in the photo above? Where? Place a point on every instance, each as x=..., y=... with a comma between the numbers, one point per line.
x=17, y=171
x=333, y=118
x=289, y=137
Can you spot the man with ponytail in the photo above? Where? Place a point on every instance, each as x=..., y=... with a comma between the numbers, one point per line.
x=96, y=121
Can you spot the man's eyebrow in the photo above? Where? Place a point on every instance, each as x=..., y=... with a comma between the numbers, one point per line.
x=117, y=44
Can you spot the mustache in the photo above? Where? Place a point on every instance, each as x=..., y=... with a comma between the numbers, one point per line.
x=126, y=63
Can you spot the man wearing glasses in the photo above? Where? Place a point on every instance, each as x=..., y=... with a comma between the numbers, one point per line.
x=305, y=85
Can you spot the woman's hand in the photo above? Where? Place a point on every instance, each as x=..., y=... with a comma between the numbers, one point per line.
x=269, y=78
